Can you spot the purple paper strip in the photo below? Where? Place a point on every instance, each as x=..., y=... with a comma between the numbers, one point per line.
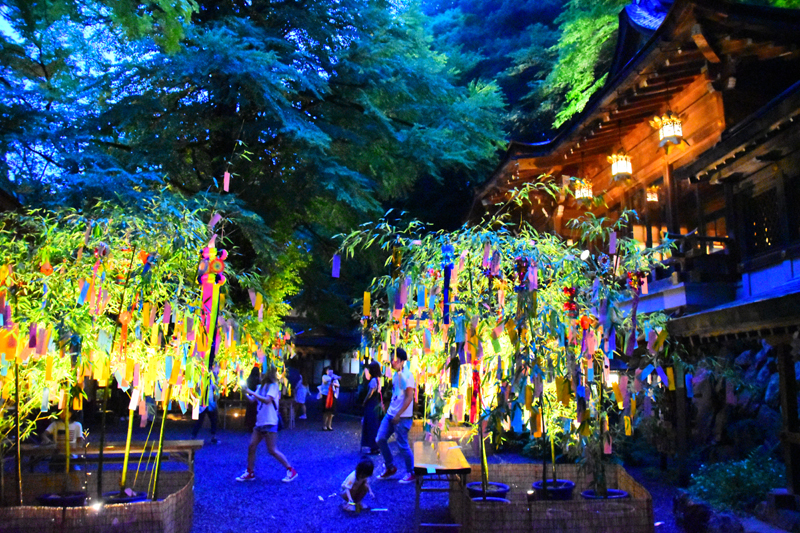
x=336, y=265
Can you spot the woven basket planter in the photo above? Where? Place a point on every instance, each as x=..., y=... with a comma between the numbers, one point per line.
x=172, y=514
x=632, y=515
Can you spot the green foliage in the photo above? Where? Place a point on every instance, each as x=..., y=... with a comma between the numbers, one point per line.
x=527, y=334
x=584, y=52
x=738, y=485
x=507, y=42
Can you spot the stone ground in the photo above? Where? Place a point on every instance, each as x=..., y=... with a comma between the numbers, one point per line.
x=311, y=502
x=323, y=459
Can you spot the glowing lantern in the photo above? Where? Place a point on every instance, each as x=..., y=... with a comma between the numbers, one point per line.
x=670, y=128
x=621, y=167
x=652, y=194
x=583, y=189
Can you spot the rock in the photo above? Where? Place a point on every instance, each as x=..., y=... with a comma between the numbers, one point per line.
x=772, y=396
x=744, y=435
x=745, y=359
x=691, y=515
x=763, y=353
x=762, y=379
x=769, y=422
x=705, y=405
x=772, y=364
x=750, y=374
x=746, y=404
x=725, y=523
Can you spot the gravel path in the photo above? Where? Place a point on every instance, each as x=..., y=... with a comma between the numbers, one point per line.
x=311, y=502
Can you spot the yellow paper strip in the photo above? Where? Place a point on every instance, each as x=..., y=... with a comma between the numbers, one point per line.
x=366, y=304
x=671, y=378
x=48, y=368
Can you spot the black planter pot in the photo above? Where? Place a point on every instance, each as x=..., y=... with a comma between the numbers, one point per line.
x=560, y=489
x=613, y=494
x=492, y=501
x=117, y=497
x=495, y=490
x=67, y=499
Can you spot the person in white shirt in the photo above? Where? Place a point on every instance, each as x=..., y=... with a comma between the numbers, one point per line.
x=300, y=393
x=56, y=431
x=267, y=397
x=398, y=419
x=328, y=393
x=356, y=486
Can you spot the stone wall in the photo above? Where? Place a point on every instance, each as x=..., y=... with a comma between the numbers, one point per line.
x=734, y=415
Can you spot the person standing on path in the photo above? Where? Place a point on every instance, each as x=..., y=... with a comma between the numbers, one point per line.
x=267, y=397
x=398, y=419
x=211, y=407
x=328, y=393
x=300, y=393
x=373, y=409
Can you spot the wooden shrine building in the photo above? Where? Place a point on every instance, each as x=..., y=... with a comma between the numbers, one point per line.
x=727, y=188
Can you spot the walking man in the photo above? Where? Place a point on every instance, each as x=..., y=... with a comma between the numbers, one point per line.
x=398, y=419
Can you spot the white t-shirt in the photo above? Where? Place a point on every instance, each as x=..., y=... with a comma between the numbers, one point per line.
x=75, y=430
x=267, y=414
x=400, y=382
x=349, y=480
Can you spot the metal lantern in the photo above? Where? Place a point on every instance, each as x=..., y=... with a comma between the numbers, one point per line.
x=583, y=189
x=621, y=167
x=652, y=194
x=670, y=128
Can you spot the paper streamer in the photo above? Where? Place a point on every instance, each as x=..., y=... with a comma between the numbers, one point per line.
x=366, y=304
x=663, y=376
x=45, y=400
x=336, y=266
x=226, y=181
x=689, y=390
x=134, y=400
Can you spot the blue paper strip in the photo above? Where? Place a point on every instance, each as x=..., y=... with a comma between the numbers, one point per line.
x=689, y=391
x=663, y=376
x=646, y=372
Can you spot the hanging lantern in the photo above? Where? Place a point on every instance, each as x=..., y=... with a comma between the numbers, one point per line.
x=652, y=194
x=670, y=128
x=583, y=189
x=621, y=167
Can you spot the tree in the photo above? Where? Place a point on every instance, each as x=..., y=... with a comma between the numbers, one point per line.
x=318, y=112
x=502, y=41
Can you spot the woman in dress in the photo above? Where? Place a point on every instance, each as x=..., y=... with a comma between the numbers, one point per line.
x=373, y=408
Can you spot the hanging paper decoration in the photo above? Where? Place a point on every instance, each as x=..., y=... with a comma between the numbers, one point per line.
x=210, y=277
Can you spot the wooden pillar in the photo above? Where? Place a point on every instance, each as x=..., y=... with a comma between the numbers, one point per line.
x=671, y=188
x=682, y=435
x=790, y=436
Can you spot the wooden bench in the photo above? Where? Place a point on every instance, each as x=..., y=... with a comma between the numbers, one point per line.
x=434, y=462
x=114, y=452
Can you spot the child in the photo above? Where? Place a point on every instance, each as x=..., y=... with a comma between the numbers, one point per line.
x=356, y=486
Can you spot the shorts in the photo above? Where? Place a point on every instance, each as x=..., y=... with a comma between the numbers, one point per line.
x=269, y=428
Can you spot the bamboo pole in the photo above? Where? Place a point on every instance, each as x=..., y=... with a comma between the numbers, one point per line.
x=19, y=436
x=107, y=390
x=124, y=478
x=67, y=450
x=161, y=442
